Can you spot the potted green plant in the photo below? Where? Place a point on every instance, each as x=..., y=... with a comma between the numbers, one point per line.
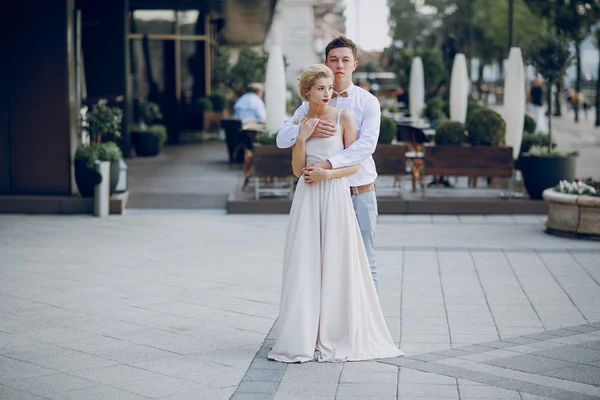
x=102, y=122
x=573, y=208
x=86, y=176
x=148, y=140
x=148, y=136
x=545, y=167
x=213, y=116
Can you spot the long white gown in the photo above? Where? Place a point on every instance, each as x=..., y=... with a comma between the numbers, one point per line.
x=329, y=309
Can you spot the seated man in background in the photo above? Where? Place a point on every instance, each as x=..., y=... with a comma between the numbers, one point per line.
x=251, y=105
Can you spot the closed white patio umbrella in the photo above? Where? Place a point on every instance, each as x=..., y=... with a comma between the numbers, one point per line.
x=514, y=108
x=275, y=96
x=459, y=89
x=416, y=88
x=514, y=100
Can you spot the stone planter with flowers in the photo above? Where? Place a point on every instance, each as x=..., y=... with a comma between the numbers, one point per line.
x=574, y=209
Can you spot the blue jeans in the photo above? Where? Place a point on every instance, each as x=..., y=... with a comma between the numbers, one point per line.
x=365, y=206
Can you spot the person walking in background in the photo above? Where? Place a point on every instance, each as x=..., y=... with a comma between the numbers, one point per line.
x=251, y=106
x=537, y=102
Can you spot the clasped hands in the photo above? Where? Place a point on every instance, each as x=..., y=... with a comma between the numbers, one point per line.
x=316, y=172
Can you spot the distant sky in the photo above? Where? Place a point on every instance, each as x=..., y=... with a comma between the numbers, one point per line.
x=370, y=30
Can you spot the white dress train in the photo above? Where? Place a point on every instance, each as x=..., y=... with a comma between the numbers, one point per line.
x=329, y=309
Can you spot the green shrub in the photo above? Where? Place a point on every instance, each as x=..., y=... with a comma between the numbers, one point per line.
x=149, y=112
x=204, y=104
x=218, y=101
x=529, y=124
x=473, y=106
x=108, y=151
x=102, y=119
x=434, y=109
x=450, y=133
x=544, y=151
x=159, y=131
x=486, y=128
x=387, y=130
x=535, y=139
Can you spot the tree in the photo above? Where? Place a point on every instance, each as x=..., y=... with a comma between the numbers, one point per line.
x=573, y=19
x=433, y=68
x=406, y=22
x=551, y=56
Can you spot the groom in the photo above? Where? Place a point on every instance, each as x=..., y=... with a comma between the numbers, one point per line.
x=340, y=56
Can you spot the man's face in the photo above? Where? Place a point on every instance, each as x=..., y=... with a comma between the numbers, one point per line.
x=342, y=63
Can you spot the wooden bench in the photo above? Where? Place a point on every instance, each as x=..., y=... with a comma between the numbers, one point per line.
x=269, y=161
x=390, y=159
x=473, y=161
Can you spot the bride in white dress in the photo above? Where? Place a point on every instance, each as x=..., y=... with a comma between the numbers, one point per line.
x=329, y=308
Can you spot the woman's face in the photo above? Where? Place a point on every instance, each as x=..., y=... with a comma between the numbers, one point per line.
x=321, y=91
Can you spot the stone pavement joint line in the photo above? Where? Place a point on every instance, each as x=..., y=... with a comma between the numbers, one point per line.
x=561, y=364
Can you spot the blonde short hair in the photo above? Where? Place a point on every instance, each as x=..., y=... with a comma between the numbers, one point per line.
x=310, y=75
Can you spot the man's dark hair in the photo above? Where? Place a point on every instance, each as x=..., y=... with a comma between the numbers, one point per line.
x=341, y=41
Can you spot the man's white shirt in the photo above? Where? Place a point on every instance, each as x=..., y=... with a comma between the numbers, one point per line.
x=367, y=114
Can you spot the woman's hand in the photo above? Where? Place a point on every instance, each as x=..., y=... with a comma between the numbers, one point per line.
x=307, y=127
x=314, y=174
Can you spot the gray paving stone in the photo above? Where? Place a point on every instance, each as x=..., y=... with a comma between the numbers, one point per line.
x=263, y=363
x=101, y=393
x=408, y=375
x=590, y=345
x=427, y=357
x=539, y=390
x=368, y=377
x=362, y=390
x=73, y=361
x=284, y=396
x=561, y=332
x=369, y=366
x=160, y=387
x=487, y=392
x=298, y=389
x=15, y=394
x=251, y=396
x=496, y=344
x=116, y=374
x=428, y=390
x=571, y=353
x=529, y=363
x=583, y=328
x=264, y=387
x=264, y=375
x=474, y=349
x=540, y=336
x=579, y=373
x=520, y=340
x=451, y=353
x=527, y=396
x=16, y=369
x=51, y=386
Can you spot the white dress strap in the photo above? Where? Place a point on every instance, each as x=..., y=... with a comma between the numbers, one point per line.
x=339, y=114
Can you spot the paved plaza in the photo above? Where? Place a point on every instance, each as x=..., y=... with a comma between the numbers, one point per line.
x=182, y=305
